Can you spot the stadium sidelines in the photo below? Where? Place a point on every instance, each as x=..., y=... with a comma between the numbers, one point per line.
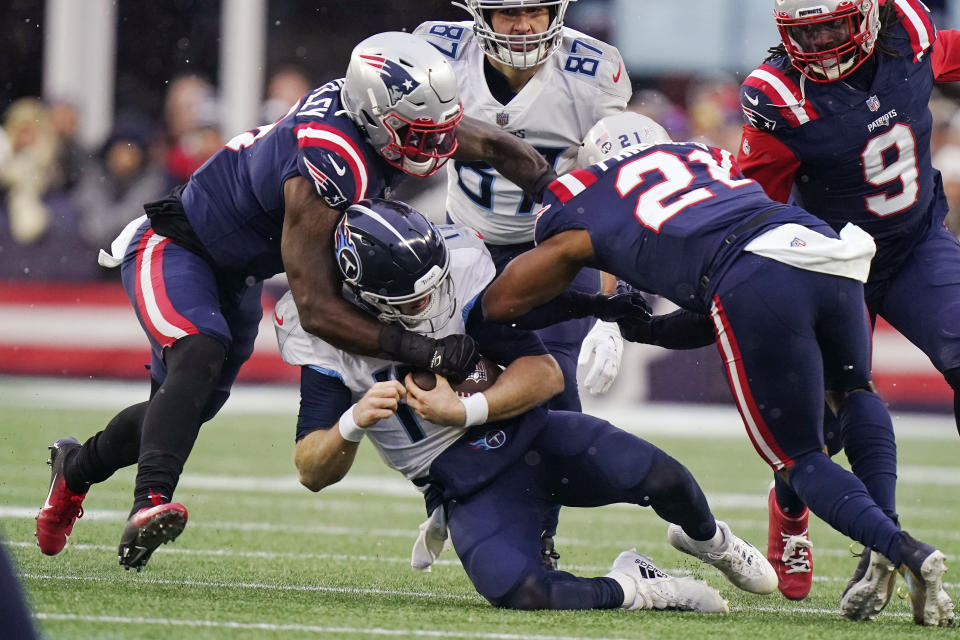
x=661, y=419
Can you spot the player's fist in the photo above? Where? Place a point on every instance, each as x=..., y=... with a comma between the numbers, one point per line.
x=379, y=402
x=618, y=306
x=454, y=357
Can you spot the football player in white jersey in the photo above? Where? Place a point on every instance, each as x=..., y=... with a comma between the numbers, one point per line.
x=490, y=464
x=520, y=68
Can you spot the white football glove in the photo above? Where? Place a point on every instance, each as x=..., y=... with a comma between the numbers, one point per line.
x=604, y=345
x=431, y=541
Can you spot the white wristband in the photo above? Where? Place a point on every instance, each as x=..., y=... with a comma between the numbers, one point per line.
x=348, y=426
x=476, y=409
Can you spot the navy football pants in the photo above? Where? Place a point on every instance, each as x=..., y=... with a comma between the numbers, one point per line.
x=577, y=460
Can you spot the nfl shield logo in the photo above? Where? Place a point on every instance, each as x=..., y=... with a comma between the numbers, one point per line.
x=503, y=118
x=873, y=103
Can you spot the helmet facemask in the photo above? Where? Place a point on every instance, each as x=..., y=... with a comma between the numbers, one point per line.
x=827, y=45
x=521, y=51
x=420, y=147
x=435, y=295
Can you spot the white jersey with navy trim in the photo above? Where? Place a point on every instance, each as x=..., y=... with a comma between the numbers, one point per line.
x=578, y=85
x=405, y=441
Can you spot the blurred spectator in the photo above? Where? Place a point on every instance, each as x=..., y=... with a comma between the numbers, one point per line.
x=38, y=223
x=947, y=160
x=286, y=86
x=115, y=187
x=655, y=104
x=29, y=168
x=191, y=113
x=73, y=157
x=713, y=104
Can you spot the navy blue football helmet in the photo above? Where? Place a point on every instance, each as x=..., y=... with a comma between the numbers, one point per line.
x=396, y=263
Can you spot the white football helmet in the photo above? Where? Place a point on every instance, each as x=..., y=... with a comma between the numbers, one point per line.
x=613, y=134
x=403, y=95
x=827, y=39
x=518, y=51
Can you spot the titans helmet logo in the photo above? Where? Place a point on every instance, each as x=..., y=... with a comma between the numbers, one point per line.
x=347, y=258
x=395, y=78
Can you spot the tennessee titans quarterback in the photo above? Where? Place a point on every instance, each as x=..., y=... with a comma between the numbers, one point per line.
x=491, y=464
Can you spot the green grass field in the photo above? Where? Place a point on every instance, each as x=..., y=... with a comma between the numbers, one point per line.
x=264, y=558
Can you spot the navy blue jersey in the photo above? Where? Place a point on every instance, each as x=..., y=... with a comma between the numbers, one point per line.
x=235, y=200
x=667, y=219
x=856, y=150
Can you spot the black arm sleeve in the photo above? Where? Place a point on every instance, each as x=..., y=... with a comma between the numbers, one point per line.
x=500, y=342
x=323, y=399
x=566, y=306
x=681, y=329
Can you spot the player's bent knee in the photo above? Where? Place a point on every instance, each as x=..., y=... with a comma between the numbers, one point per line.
x=531, y=593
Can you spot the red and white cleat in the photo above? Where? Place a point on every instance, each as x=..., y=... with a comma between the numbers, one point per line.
x=147, y=529
x=789, y=549
x=62, y=507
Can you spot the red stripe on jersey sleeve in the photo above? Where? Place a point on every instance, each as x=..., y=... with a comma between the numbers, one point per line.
x=768, y=161
x=335, y=142
x=922, y=32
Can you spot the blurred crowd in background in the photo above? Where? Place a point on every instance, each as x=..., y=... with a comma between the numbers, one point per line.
x=60, y=202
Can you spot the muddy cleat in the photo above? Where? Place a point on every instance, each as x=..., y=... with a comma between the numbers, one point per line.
x=870, y=588
x=646, y=586
x=740, y=561
x=62, y=507
x=548, y=555
x=789, y=549
x=147, y=529
x=923, y=568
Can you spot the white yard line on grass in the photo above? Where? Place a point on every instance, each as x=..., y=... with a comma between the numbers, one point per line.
x=300, y=628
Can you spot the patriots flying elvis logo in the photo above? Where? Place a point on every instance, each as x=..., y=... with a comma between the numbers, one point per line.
x=395, y=78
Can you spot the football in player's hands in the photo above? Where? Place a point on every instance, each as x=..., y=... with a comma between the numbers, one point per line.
x=484, y=374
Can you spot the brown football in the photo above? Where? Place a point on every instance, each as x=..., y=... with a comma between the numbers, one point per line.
x=485, y=373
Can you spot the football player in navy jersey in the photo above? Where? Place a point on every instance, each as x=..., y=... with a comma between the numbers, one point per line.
x=838, y=118
x=266, y=203
x=490, y=464
x=784, y=292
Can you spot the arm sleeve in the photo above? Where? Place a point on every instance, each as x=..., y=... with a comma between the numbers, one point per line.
x=500, y=342
x=945, y=56
x=323, y=399
x=768, y=161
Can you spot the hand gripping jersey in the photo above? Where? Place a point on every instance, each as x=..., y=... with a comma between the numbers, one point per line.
x=406, y=442
x=670, y=219
x=582, y=82
x=235, y=200
x=856, y=150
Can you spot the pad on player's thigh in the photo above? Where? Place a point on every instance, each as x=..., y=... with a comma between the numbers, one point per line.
x=922, y=300
x=496, y=531
x=175, y=293
x=766, y=325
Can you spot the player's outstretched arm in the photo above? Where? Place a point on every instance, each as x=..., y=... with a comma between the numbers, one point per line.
x=307, y=246
x=324, y=456
x=516, y=160
x=537, y=276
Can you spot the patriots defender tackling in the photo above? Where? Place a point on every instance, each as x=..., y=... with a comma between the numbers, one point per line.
x=268, y=202
x=784, y=292
x=838, y=118
x=491, y=464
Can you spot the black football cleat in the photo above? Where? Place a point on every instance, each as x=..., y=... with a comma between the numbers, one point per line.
x=147, y=529
x=62, y=507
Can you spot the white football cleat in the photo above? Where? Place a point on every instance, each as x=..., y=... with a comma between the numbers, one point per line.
x=742, y=563
x=646, y=586
x=870, y=588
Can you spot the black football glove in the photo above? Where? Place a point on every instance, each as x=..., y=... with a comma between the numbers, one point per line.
x=453, y=357
x=623, y=306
